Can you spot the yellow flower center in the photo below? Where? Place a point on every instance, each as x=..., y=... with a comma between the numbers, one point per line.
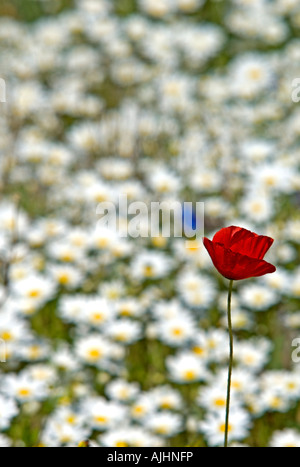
x=71, y=419
x=125, y=311
x=64, y=279
x=67, y=257
x=24, y=392
x=211, y=344
x=159, y=242
x=220, y=402
x=10, y=223
x=97, y=317
x=148, y=271
x=236, y=385
x=256, y=207
x=198, y=350
x=6, y=336
x=102, y=242
x=113, y=294
x=166, y=405
x=249, y=359
x=34, y=351
x=296, y=290
x=122, y=337
x=100, y=198
x=270, y=180
x=101, y=419
x=94, y=354
x=138, y=410
x=275, y=402
x=177, y=332
x=162, y=430
x=187, y=5
x=34, y=293
x=255, y=74
x=258, y=298
x=172, y=89
x=65, y=439
x=78, y=241
x=190, y=375
x=192, y=246
x=222, y=428
x=124, y=393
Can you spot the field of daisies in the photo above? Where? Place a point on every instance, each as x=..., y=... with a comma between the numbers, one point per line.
x=123, y=341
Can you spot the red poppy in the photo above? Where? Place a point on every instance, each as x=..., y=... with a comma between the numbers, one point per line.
x=238, y=253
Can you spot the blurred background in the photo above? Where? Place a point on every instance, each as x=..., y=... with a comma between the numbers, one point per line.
x=119, y=339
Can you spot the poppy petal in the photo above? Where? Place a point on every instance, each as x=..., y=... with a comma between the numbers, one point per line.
x=243, y=241
x=225, y=235
x=236, y=266
x=254, y=245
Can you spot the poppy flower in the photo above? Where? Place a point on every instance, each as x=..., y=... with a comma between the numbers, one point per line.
x=238, y=253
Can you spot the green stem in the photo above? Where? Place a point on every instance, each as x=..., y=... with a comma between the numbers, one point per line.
x=230, y=363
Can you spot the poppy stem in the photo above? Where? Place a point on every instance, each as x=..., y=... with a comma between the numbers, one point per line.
x=230, y=363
